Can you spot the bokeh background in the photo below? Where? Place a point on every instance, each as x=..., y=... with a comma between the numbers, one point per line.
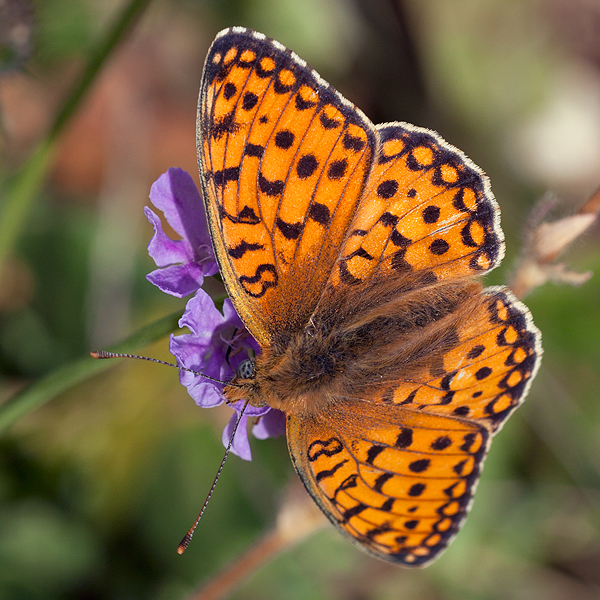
x=98, y=485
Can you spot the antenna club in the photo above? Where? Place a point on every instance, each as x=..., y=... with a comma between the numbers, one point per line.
x=187, y=538
x=100, y=354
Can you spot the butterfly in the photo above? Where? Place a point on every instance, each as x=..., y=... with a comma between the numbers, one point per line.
x=352, y=253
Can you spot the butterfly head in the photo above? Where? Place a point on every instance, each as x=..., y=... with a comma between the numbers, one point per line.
x=245, y=369
x=244, y=385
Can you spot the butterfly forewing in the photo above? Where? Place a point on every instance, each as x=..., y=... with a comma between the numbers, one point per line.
x=426, y=210
x=283, y=160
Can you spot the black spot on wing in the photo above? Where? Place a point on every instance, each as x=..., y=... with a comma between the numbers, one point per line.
x=249, y=101
x=345, y=276
x=329, y=447
x=352, y=142
x=306, y=166
x=483, y=373
x=229, y=90
x=387, y=189
x=255, y=150
x=431, y=214
x=302, y=104
x=459, y=467
x=246, y=215
x=439, y=247
x=475, y=351
x=265, y=275
x=416, y=489
x=270, y=188
x=290, y=231
x=348, y=483
x=399, y=240
x=418, y=466
x=381, y=480
x=328, y=123
x=284, y=139
x=405, y=438
x=337, y=169
x=353, y=512
x=223, y=176
x=468, y=441
x=387, y=219
x=374, y=451
x=329, y=472
x=281, y=88
x=226, y=124
x=243, y=247
x=441, y=443
x=320, y=213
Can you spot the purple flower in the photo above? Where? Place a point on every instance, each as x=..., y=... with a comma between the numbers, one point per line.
x=218, y=342
x=216, y=346
x=184, y=263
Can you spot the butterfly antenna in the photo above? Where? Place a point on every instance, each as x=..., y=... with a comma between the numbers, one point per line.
x=187, y=538
x=105, y=354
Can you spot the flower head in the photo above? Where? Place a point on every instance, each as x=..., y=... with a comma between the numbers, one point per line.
x=217, y=342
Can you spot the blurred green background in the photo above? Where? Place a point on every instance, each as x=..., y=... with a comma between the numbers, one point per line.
x=98, y=486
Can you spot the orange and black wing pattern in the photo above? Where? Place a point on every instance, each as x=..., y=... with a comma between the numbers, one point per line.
x=487, y=374
x=396, y=473
x=283, y=161
x=399, y=483
x=311, y=207
x=427, y=213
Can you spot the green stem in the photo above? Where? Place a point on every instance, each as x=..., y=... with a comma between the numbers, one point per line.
x=65, y=377
x=26, y=185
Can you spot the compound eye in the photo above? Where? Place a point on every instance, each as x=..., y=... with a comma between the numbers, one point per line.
x=245, y=369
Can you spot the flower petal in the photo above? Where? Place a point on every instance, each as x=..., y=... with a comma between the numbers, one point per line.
x=161, y=248
x=177, y=280
x=240, y=445
x=270, y=425
x=176, y=195
x=201, y=316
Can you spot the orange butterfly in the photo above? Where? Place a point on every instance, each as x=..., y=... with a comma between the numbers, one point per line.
x=352, y=253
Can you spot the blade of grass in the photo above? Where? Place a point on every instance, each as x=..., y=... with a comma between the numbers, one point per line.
x=65, y=377
x=27, y=183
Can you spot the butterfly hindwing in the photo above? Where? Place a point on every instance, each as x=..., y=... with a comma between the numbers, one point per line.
x=487, y=374
x=397, y=482
x=283, y=161
x=396, y=469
